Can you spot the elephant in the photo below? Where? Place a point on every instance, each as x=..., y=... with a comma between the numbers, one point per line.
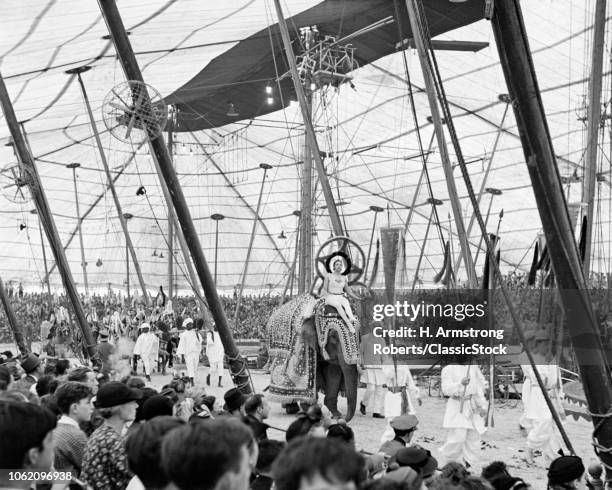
x=311, y=348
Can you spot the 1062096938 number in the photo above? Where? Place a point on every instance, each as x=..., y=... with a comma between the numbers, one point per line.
x=37, y=476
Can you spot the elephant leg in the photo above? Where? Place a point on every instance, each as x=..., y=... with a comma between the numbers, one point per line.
x=333, y=378
x=351, y=382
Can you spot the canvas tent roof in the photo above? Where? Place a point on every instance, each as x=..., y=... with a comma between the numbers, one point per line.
x=369, y=129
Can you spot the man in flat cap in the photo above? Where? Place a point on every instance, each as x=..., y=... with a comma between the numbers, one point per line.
x=190, y=346
x=32, y=366
x=543, y=435
x=403, y=427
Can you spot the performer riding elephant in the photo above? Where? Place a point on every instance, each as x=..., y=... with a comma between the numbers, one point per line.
x=313, y=341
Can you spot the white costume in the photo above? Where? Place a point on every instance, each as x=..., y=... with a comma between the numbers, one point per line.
x=543, y=435
x=147, y=347
x=215, y=353
x=372, y=375
x=190, y=345
x=467, y=425
x=397, y=378
x=525, y=422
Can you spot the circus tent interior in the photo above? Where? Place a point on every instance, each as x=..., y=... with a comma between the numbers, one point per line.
x=372, y=143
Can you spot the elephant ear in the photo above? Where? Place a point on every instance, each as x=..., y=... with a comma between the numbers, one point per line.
x=309, y=333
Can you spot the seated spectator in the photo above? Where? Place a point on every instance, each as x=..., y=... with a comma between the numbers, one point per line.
x=257, y=410
x=156, y=406
x=210, y=455
x=565, y=473
x=311, y=463
x=234, y=402
x=417, y=458
x=84, y=375
x=341, y=432
x=309, y=423
x=26, y=438
x=46, y=385
x=404, y=427
x=74, y=403
x=143, y=448
x=268, y=452
x=5, y=378
x=105, y=460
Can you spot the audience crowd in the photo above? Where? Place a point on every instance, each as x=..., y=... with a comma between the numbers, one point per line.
x=111, y=435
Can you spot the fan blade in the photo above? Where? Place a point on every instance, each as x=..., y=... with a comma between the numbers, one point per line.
x=120, y=107
x=119, y=97
x=130, y=126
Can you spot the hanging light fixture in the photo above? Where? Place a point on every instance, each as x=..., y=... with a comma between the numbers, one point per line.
x=232, y=111
x=161, y=255
x=22, y=226
x=270, y=100
x=154, y=253
x=269, y=88
x=99, y=263
x=282, y=235
x=141, y=191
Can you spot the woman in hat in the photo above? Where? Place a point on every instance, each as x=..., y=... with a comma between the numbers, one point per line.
x=105, y=459
x=336, y=283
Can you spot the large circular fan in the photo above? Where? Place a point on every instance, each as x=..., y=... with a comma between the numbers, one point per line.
x=134, y=111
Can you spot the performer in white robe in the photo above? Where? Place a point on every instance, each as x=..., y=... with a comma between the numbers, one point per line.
x=147, y=347
x=215, y=354
x=524, y=421
x=466, y=426
x=401, y=390
x=543, y=434
x=372, y=374
x=190, y=346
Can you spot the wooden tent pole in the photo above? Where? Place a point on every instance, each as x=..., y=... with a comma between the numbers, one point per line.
x=247, y=261
x=594, y=119
x=310, y=132
x=238, y=366
x=128, y=240
x=453, y=195
x=519, y=72
x=12, y=321
x=171, y=215
x=31, y=177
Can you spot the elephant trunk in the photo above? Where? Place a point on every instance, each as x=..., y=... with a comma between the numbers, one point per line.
x=351, y=382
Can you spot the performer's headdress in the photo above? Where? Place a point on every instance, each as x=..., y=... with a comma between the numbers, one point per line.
x=335, y=257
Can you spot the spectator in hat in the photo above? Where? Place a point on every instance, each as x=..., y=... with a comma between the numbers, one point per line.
x=211, y=455
x=32, y=366
x=74, y=403
x=147, y=348
x=311, y=462
x=565, y=472
x=234, y=401
x=105, y=459
x=543, y=435
x=257, y=410
x=403, y=427
x=417, y=458
x=269, y=451
x=143, y=448
x=190, y=346
x=26, y=438
x=157, y=406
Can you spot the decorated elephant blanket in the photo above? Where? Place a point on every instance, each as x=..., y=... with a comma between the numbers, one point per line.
x=326, y=320
x=293, y=363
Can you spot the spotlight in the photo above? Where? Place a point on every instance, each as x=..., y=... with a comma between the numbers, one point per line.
x=22, y=227
x=282, y=235
x=232, y=111
x=99, y=263
x=141, y=191
x=154, y=253
x=161, y=255
x=270, y=100
x=269, y=88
